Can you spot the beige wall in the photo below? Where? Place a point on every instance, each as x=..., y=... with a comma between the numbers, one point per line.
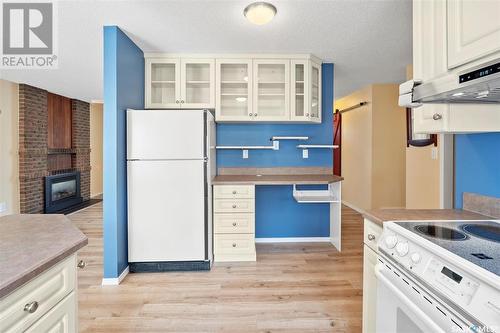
x=373, y=148
x=422, y=174
x=356, y=149
x=9, y=138
x=96, y=146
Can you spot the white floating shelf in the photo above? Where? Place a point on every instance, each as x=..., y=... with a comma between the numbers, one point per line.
x=301, y=138
x=317, y=146
x=244, y=147
x=316, y=196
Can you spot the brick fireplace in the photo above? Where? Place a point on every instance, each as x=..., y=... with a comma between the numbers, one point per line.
x=54, y=138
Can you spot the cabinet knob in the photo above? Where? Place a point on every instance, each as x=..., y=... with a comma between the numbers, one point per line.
x=234, y=206
x=307, y=114
x=182, y=101
x=177, y=101
x=436, y=116
x=371, y=237
x=31, y=307
x=255, y=114
x=234, y=224
x=81, y=264
x=234, y=192
x=250, y=114
x=234, y=244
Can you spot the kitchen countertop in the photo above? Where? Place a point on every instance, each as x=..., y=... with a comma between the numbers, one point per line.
x=275, y=179
x=382, y=215
x=32, y=243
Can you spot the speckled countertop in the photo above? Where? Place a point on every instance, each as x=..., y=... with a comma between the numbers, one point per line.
x=380, y=216
x=275, y=179
x=32, y=243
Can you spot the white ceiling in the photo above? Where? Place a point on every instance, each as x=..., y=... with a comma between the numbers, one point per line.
x=369, y=41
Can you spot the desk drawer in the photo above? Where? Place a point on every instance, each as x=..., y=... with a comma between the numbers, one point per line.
x=234, y=223
x=234, y=191
x=234, y=205
x=47, y=290
x=372, y=232
x=61, y=318
x=234, y=244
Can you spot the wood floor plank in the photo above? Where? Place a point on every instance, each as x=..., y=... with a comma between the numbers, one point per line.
x=293, y=287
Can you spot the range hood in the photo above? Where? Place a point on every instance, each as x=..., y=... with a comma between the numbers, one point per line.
x=478, y=86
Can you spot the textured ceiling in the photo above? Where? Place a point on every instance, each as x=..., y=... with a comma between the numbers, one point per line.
x=369, y=41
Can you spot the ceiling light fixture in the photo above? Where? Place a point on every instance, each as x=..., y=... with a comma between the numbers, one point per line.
x=260, y=13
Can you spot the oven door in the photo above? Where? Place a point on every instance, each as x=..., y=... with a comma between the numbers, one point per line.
x=404, y=307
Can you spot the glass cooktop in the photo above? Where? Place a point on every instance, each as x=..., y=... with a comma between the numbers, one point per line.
x=475, y=241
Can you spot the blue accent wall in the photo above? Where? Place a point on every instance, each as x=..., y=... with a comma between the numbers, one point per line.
x=477, y=165
x=123, y=88
x=277, y=212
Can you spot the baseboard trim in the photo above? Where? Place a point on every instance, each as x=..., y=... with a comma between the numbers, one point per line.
x=350, y=205
x=115, y=281
x=293, y=240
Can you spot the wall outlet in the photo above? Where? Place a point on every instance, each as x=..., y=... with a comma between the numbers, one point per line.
x=245, y=153
x=3, y=207
x=434, y=153
x=305, y=153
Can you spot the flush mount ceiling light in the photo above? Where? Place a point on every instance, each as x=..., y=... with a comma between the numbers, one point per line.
x=260, y=13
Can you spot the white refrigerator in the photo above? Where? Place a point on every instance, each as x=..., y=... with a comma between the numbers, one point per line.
x=170, y=165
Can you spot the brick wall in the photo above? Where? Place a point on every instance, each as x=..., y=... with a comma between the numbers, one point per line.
x=33, y=147
x=81, y=144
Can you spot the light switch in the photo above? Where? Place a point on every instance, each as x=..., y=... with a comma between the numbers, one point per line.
x=434, y=153
x=3, y=207
x=245, y=153
x=305, y=153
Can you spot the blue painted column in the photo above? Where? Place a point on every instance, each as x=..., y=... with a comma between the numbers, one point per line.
x=123, y=88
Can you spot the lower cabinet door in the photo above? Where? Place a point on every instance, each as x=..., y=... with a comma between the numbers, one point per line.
x=369, y=290
x=60, y=319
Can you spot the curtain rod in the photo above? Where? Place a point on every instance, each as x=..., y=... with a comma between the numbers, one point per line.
x=351, y=107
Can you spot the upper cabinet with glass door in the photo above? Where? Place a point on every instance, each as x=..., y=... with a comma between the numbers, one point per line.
x=305, y=91
x=180, y=83
x=271, y=101
x=234, y=90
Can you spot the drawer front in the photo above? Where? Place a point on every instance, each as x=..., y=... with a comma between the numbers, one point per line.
x=234, y=206
x=47, y=290
x=60, y=319
x=234, y=191
x=234, y=223
x=372, y=232
x=234, y=244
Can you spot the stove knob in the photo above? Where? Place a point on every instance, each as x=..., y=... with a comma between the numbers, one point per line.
x=415, y=257
x=402, y=249
x=391, y=241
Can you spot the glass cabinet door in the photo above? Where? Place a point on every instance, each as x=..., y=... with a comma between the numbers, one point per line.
x=198, y=83
x=162, y=83
x=271, y=90
x=299, y=90
x=315, y=111
x=234, y=90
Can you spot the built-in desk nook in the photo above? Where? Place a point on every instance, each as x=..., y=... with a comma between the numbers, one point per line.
x=234, y=206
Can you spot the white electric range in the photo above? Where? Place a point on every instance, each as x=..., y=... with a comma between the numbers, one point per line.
x=439, y=276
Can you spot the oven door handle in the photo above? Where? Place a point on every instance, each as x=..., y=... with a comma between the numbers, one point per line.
x=415, y=309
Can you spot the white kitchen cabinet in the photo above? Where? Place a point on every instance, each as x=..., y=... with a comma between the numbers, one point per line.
x=372, y=232
x=432, y=37
x=172, y=83
x=46, y=303
x=305, y=95
x=234, y=83
x=162, y=85
x=271, y=98
x=473, y=30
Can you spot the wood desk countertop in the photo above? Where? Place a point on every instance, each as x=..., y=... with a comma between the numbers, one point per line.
x=275, y=179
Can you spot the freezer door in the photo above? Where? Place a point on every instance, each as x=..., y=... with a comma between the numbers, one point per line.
x=166, y=211
x=165, y=134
